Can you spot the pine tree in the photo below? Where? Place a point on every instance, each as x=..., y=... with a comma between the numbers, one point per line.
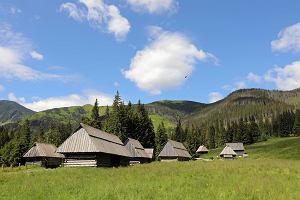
x=144, y=129
x=211, y=137
x=179, y=134
x=161, y=138
x=95, y=116
x=297, y=123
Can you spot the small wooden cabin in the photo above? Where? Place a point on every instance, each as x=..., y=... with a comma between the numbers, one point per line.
x=43, y=155
x=137, y=151
x=202, y=150
x=227, y=153
x=238, y=148
x=173, y=151
x=92, y=147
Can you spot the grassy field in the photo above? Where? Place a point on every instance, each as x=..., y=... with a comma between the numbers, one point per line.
x=275, y=148
x=256, y=177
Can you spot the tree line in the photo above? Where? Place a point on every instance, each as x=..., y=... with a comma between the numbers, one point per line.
x=133, y=121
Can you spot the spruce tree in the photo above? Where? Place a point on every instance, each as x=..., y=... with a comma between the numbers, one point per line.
x=161, y=138
x=95, y=116
x=179, y=132
x=297, y=123
x=211, y=137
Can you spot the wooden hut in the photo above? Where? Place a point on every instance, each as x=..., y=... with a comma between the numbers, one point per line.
x=137, y=151
x=238, y=148
x=149, y=152
x=227, y=154
x=43, y=155
x=202, y=150
x=92, y=147
x=174, y=151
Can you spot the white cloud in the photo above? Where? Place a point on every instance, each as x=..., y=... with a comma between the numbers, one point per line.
x=12, y=97
x=285, y=78
x=214, y=97
x=240, y=85
x=73, y=11
x=253, y=77
x=165, y=63
x=36, y=55
x=88, y=97
x=99, y=15
x=14, y=10
x=288, y=39
x=153, y=6
x=14, y=48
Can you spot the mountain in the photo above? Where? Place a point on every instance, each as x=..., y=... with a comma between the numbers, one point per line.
x=247, y=102
x=239, y=104
x=174, y=109
x=11, y=112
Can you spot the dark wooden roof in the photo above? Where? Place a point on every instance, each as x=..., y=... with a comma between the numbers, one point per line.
x=91, y=140
x=174, y=149
x=135, y=148
x=42, y=150
x=236, y=146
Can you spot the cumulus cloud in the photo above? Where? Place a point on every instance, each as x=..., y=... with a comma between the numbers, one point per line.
x=40, y=104
x=252, y=77
x=99, y=15
x=214, y=97
x=288, y=39
x=12, y=97
x=285, y=78
x=36, y=55
x=165, y=63
x=14, y=48
x=153, y=6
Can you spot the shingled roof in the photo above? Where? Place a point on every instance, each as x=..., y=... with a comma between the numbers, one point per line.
x=227, y=151
x=42, y=150
x=236, y=146
x=135, y=148
x=202, y=149
x=174, y=149
x=91, y=140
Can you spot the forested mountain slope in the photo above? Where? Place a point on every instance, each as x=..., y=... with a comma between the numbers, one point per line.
x=11, y=112
x=246, y=103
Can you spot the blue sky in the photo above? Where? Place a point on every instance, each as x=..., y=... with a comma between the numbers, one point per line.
x=69, y=52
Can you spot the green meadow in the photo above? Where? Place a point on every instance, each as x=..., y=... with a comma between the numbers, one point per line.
x=268, y=173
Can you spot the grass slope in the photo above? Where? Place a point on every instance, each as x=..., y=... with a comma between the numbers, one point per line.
x=269, y=178
x=240, y=179
x=275, y=148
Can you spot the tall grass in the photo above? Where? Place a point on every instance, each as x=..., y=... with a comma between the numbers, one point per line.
x=240, y=179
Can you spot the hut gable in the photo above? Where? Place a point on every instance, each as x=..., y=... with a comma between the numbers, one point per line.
x=174, y=149
x=42, y=150
x=135, y=148
x=90, y=140
x=227, y=151
x=202, y=149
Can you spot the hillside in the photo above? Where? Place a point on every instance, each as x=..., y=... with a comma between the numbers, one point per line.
x=248, y=102
x=11, y=112
x=274, y=148
x=242, y=103
x=265, y=178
